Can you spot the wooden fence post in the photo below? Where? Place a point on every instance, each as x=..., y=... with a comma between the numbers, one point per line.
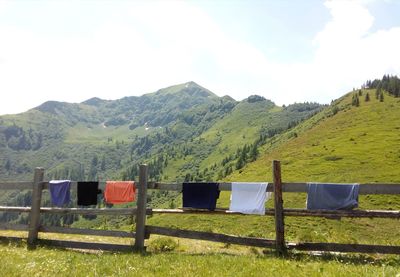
x=141, y=209
x=278, y=203
x=34, y=216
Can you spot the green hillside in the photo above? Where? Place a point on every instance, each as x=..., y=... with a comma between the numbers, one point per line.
x=184, y=132
x=215, y=153
x=342, y=143
x=54, y=134
x=356, y=144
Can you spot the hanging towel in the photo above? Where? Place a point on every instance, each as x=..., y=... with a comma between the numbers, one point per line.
x=87, y=193
x=249, y=198
x=117, y=192
x=332, y=196
x=200, y=195
x=60, y=192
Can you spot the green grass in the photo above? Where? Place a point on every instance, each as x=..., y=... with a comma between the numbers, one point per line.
x=99, y=134
x=240, y=127
x=44, y=261
x=358, y=144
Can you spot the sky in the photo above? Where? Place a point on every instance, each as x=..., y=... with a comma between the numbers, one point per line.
x=285, y=50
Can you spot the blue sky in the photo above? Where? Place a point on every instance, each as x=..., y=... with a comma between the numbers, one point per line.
x=287, y=51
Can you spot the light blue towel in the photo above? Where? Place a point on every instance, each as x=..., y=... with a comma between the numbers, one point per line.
x=60, y=192
x=332, y=196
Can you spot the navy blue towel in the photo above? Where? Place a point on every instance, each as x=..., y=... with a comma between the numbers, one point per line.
x=87, y=193
x=332, y=196
x=60, y=192
x=200, y=195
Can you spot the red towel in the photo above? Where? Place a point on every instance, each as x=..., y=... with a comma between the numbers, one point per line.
x=118, y=192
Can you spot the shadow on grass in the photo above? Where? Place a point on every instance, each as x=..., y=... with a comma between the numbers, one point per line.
x=354, y=259
x=15, y=241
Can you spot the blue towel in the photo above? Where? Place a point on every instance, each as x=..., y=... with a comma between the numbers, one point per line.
x=200, y=195
x=332, y=196
x=60, y=192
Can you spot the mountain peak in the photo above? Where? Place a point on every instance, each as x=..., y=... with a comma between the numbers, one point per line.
x=94, y=101
x=189, y=88
x=51, y=106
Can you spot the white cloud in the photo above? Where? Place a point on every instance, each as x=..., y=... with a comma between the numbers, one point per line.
x=346, y=55
x=145, y=46
x=167, y=43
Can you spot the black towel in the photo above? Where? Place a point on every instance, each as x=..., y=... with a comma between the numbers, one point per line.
x=87, y=193
x=200, y=195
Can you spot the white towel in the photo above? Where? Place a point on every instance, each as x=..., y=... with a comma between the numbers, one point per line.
x=249, y=198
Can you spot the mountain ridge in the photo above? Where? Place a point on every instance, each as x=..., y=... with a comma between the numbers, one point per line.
x=170, y=120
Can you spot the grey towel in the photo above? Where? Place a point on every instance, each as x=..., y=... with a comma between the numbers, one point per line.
x=332, y=196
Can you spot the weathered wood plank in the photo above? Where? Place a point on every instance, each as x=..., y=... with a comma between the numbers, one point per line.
x=15, y=209
x=194, y=211
x=92, y=232
x=343, y=213
x=278, y=205
x=34, y=215
x=11, y=239
x=141, y=209
x=210, y=236
x=367, y=188
x=73, y=186
x=86, y=245
x=338, y=247
x=16, y=185
x=92, y=211
x=17, y=227
x=165, y=186
x=379, y=189
x=292, y=212
x=269, y=212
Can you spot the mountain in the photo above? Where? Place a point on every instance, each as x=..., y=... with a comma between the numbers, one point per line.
x=348, y=142
x=184, y=132
x=101, y=138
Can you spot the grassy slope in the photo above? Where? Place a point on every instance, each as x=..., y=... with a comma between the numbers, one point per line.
x=241, y=126
x=99, y=134
x=358, y=144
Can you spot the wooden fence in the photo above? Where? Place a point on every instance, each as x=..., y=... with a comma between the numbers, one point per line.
x=144, y=231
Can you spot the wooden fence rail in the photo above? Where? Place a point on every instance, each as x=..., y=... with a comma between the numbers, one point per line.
x=366, y=188
x=143, y=231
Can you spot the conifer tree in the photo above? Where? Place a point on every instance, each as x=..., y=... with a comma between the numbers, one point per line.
x=381, y=97
x=367, y=97
x=378, y=92
x=355, y=101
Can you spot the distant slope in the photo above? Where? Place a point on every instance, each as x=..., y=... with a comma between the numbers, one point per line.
x=216, y=151
x=357, y=144
x=93, y=138
x=178, y=130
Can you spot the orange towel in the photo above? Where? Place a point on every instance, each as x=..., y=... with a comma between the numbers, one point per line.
x=118, y=192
